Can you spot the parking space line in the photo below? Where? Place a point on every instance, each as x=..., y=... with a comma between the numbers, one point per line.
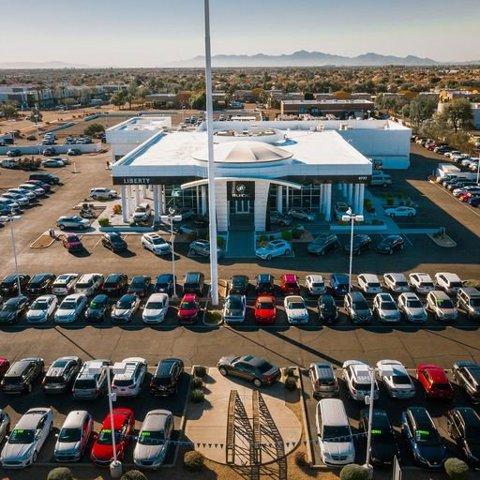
x=407, y=239
x=457, y=200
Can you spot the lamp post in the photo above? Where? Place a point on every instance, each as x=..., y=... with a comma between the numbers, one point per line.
x=352, y=218
x=369, y=401
x=11, y=219
x=172, y=218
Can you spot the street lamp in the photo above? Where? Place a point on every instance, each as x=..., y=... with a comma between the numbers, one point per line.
x=350, y=217
x=170, y=218
x=10, y=219
x=369, y=401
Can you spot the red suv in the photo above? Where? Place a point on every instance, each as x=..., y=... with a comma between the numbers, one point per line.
x=289, y=284
x=189, y=308
x=265, y=309
x=434, y=381
x=123, y=425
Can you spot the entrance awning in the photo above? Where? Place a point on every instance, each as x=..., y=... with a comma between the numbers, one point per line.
x=204, y=181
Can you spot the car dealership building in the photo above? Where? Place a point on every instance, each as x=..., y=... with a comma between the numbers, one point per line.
x=259, y=166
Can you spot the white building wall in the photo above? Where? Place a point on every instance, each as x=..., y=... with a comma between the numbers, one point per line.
x=260, y=205
x=221, y=206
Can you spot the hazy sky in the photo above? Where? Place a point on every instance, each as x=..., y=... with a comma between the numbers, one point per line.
x=156, y=32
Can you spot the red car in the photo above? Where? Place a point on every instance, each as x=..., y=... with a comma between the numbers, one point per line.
x=434, y=381
x=72, y=242
x=289, y=284
x=123, y=425
x=189, y=308
x=265, y=309
x=4, y=366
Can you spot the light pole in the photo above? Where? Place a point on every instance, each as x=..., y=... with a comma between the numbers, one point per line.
x=172, y=218
x=369, y=401
x=352, y=218
x=11, y=219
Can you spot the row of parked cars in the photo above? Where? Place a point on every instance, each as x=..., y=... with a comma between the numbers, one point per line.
x=465, y=188
x=88, y=381
x=444, y=149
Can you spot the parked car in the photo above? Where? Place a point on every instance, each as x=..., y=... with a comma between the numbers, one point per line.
x=449, y=282
x=71, y=308
x=42, y=309
x=467, y=377
x=369, y=283
x=14, y=152
x=421, y=282
x=156, y=308
x=468, y=300
x=114, y=242
x=142, y=213
x=235, y=308
x=165, y=283
x=73, y=152
x=396, y=282
x=61, y=374
x=115, y=284
x=315, y=284
x=48, y=178
x=125, y=308
x=188, y=309
x=264, y=283
x=400, y=212
x=423, y=438
x=129, y=382
x=323, y=244
x=22, y=375
x=327, y=309
x=274, y=248
x=434, y=382
x=4, y=366
x=296, y=310
x=265, y=310
x=277, y=218
x=91, y=381
x=339, y=283
x=139, y=285
x=49, y=152
x=391, y=244
x=13, y=309
x=463, y=424
x=89, y=284
x=358, y=377
x=238, y=284
x=323, y=379
x=412, y=308
x=194, y=282
x=156, y=244
x=361, y=243
x=72, y=242
x=302, y=214
x=73, y=221
x=52, y=163
x=9, y=284
x=102, y=193
x=166, y=379
x=395, y=379
x=357, y=308
x=248, y=367
x=202, y=248
x=4, y=426
x=74, y=437
x=341, y=208
x=442, y=306
x=98, y=309
x=385, y=308
x=289, y=284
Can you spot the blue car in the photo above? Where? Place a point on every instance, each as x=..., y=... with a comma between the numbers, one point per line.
x=339, y=283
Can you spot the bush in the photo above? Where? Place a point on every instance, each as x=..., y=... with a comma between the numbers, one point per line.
x=289, y=371
x=197, y=396
x=213, y=317
x=291, y=384
x=354, y=472
x=301, y=458
x=287, y=235
x=117, y=209
x=297, y=233
x=60, y=473
x=200, y=371
x=94, y=129
x=197, y=382
x=262, y=239
x=220, y=242
x=104, y=222
x=456, y=469
x=193, y=461
x=133, y=475
x=390, y=200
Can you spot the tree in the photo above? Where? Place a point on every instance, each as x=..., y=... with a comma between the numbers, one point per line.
x=458, y=113
x=35, y=116
x=94, y=129
x=8, y=110
x=198, y=101
x=118, y=98
x=421, y=109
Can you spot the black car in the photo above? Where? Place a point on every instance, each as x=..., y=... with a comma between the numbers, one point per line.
x=467, y=376
x=61, y=374
x=9, y=285
x=390, y=244
x=165, y=283
x=238, y=284
x=46, y=186
x=167, y=376
x=22, y=374
x=49, y=178
x=139, y=285
x=248, y=367
x=463, y=424
x=327, y=309
x=383, y=445
x=264, y=283
x=115, y=284
x=98, y=308
x=361, y=243
x=323, y=244
x=40, y=283
x=12, y=309
x=114, y=242
x=194, y=282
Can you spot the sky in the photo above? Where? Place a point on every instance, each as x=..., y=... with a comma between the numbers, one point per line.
x=135, y=33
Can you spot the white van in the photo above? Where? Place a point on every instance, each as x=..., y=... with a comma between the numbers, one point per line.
x=334, y=433
x=380, y=179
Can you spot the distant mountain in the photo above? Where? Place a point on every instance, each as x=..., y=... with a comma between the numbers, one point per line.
x=35, y=65
x=303, y=58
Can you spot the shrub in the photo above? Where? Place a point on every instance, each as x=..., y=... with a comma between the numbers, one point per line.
x=301, y=458
x=117, y=209
x=94, y=129
x=289, y=371
x=456, y=469
x=197, y=396
x=197, y=382
x=213, y=317
x=133, y=475
x=291, y=384
x=193, y=461
x=354, y=472
x=104, y=222
x=390, y=200
x=297, y=233
x=220, y=242
x=60, y=473
x=287, y=235
x=200, y=371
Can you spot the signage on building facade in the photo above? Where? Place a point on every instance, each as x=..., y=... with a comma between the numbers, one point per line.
x=240, y=190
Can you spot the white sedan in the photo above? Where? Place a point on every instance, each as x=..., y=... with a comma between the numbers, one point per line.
x=42, y=309
x=274, y=248
x=295, y=309
x=156, y=244
x=396, y=379
x=400, y=212
x=102, y=193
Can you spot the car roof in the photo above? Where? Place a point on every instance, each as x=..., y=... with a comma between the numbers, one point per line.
x=315, y=277
x=266, y=298
x=253, y=360
x=289, y=277
x=30, y=419
x=295, y=298
x=385, y=297
x=119, y=415
x=370, y=277
x=75, y=419
x=264, y=277
x=114, y=276
x=165, y=365
x=334, y=410
x=421, y=416
x=156, y=419
x=469, y=415
x=18, y=367
x=157, y=296
x=189, y=297
x=422, y=276
x=410, y=295
x=340, y=277
x=192, y=276
x=396, y=275
x=439, y=294
x=101, y=297
x=357, y=295
x=165, y=277
x=436, y=373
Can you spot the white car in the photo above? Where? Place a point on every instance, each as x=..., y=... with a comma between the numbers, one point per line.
x=449, y=282
x=73, y=221
x=274, y=248
x=42, y=309
x=412, y=308
x=421, y=282
x=27, y=438
x=396, y=282
x=129, y=375
x=89, y=283
x=400, y=212
x=296, y=309
x=441, y=305
x=156, y=308
x=4, y=425
x=369, y=283
x=101, y=193
x=385, y=308
x=71, y=308
x=359, y=376
x=315, y=284
x=235, y=308
x=64, y=284
x=156, y=244
x=395, y=379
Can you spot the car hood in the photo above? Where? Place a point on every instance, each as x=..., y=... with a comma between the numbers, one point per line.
x=16, y=451
x=227, y=360
x=153, y=312
x=416, y=311
x=383, y=451
x=338, y=448
x=67, y=447
x=122, y=312
x=148, y=452
x=65, y=313
x=33, y=314
x=233, y=313
x=263, y=312
x=103, y=452
x=263, y=251
x=297, y=312
x=187, y=313
x=6, y=315
x=434, y=455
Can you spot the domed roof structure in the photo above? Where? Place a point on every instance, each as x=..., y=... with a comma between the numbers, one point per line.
x=244, y=152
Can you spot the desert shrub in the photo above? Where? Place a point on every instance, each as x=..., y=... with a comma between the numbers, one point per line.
x=301, y=458
x=133, y=475
x=200, y=371
x=291, y=384
x=60, y=473
x=104, y=222
x=456, y=469
x=354, y=472
x=117, y=209
x=287, y=235
x=289, y=371
x=197, y=382
x=197, y=396
x=193, y=461
x=213, y=317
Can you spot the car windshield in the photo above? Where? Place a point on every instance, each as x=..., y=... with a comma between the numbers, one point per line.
x=153, y=437
x=137, y=282
x=265, y=305
x=188, y=306
x=68, y=305
x=414, y=304
x=401, y=284
x=426, y=437
x=85, y=383
x=158, y=241
x=264, y=366
x=401, y=380
x=70, y=435
x=426, y=284
x=360, y=305
x=96, y=305
x=10, y=307
x=105, y=437
x=234, y=304
x=317, y=285
x=374, y=284
x=154, y=305
x=296, y=305
x=388, y=306
x=475, y=302
x=447, y=303
x=456, y=284
x=40, y=305
x=126, y=303
x=336, y=433
x=21, y=436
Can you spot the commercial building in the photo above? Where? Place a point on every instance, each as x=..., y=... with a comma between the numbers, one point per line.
x=342, y=109
x=259, y=166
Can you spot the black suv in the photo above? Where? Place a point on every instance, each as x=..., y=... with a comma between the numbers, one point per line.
x=467, y=375
x=264, y=283
x=361, y=243
x=166, y=377
x=323, y=244
x=61, y=374
x=115, y=284
x=390, y=244
x=164, y=283
x=21, y=376
x=327, y=309
x=9, y=285
x=12, y=309
x=463, y=424
x=238, y=284
x=114, y=242
x=40, y=283
x=194, y=282
x=49, y=178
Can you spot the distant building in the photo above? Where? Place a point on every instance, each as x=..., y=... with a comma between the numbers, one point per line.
x=341, y=109
x=476, y=115
x=243, y=95
x=162, y=100
x=353, y=96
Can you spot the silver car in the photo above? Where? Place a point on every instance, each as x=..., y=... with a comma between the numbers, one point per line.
x=42, y=309
x=153, y=439
x=235, y=308
x=385, y=308
x=73, y=438
x=71, y=308
x=27, y=438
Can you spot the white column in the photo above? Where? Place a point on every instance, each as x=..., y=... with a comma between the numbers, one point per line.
x=361, y=198
x=156, y=203
x=350, y=193
x=163, y=200
x=320, y=200
x=356, y=197
x=221, y=206
x=328, y=203
x=279, y=198
x=203, y=190
x=197, y=193
x=260, y=205
x=130, y=206
x=124, y=203
x=344, y=190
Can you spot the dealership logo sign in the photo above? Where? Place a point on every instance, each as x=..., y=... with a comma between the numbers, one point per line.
x=137, y=181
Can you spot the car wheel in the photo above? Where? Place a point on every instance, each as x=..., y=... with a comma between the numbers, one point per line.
x=269, y=257
x=61, y=226
x=288, y=252
x=223, y=371
x=257, y=382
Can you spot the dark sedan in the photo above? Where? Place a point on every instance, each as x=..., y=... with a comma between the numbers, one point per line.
x=98, y=309
x=463, y=424
x=238, y=284
x=114, y=242
x=361, y=243
x=167, y=376
x=115, y=284
x=327, y=309
x=12, y=309
x=164, y=283
x=139, y=285
x=391, y=244
x=9, y=285
x=339, y=283
x=40, y=283
x=248, y=367
x=264, y=283
x=22, y=375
